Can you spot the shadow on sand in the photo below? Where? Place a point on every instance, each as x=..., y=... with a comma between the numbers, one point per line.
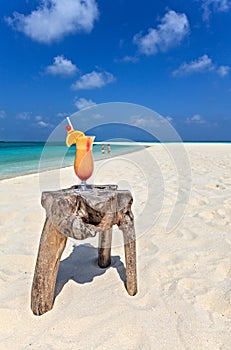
x=81, y=266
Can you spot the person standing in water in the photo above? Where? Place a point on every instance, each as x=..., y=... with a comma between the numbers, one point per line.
x=108, y=149
x=102, y=150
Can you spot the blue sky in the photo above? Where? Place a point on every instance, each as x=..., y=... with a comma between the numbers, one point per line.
x=173, y=57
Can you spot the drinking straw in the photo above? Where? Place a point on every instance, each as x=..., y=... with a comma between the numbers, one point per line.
x=69, y=122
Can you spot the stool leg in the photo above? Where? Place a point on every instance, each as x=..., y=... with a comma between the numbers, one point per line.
x=128, y=230
x=52, y=244
x=104, y=249
x=130, y=257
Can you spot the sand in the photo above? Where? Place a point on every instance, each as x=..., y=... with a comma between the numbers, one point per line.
x=184, y=274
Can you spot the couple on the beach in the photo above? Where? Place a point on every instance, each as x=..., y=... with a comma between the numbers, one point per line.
x=108, y=149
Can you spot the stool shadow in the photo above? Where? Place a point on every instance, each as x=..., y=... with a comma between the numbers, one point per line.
x=82, y=267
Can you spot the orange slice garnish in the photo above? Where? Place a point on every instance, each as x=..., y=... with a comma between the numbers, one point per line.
x=72, y=136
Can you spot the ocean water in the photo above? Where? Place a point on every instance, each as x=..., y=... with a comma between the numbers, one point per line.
x=20, y=158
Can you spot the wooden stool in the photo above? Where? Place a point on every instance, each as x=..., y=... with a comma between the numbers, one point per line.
x=80, y=215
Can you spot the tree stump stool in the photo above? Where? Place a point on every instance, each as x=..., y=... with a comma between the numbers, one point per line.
x=82, y=214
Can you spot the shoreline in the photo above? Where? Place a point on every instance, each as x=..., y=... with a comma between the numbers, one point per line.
x=106, y=157
x=100, y=158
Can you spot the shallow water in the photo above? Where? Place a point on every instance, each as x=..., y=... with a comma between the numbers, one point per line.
x=19, y=158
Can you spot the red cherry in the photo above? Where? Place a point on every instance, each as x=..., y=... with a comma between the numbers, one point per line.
x=68, y=127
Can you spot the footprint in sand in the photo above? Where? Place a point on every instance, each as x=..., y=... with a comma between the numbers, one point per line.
x=222, y=271
x=222, y=216
x=217, y=300
x=188, y=235
x=217, y=186
x=226, y=180
x=8, y=317
x=207, y=215
x=198, y=202
x=189, y=287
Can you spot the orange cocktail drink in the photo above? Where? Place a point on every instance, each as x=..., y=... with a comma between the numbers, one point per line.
x=84, y=164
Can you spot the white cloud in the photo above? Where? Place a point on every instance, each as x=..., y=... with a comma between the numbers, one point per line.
x=196, y=119
x=62, y=114
x=150, y=123
x=62, y=67
x=169, y=33
x=23, y=115
x=169, y=119
x=2, y=114
x=82, y=103
x=38, y=121
x=54, y=19
x=127, y=59
x=143, y=122
x=201, y=65
x=214, y=5
x=93, y=80
x=43, y=124
x=223, y=70
x=97, y=116
x=38, y=117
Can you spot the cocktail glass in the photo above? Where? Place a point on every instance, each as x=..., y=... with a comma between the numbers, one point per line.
x=83, y=164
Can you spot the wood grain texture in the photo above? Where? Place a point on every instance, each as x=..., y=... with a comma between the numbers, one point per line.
x=80, y=215
x=51, y=247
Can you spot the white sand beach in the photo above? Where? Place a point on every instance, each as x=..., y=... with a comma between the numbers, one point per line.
x=184, y=275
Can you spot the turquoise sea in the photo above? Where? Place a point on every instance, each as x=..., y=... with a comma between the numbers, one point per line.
x=20, y=158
